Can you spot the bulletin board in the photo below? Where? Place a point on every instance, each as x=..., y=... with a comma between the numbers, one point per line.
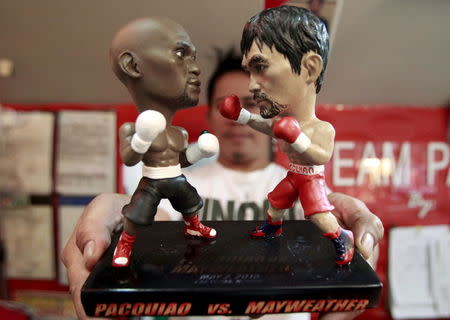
x=63, y=180
x=60, y=157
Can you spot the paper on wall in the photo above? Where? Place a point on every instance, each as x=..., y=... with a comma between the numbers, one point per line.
x=27, y=233
x=26, y=154
x=419, y=276
x=86, y=160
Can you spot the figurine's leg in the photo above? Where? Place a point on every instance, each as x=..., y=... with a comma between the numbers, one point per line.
x=194, y=228
x=185, y=199
x=140, y=211
x=122, y=253
x=342, y=239
x=272, y=227
x=282, y=197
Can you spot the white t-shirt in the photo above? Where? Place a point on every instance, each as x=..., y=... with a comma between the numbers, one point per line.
x=229, y=195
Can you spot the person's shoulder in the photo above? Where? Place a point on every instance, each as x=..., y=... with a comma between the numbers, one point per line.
x=126, y=129
x=323, y=127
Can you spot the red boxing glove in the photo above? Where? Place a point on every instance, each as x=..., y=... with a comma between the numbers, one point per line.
x=230, y=108
x=287, y=129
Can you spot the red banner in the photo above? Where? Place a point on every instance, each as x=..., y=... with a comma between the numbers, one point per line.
x=396, y=159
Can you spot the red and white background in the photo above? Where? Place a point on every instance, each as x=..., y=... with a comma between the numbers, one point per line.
x=394, y=158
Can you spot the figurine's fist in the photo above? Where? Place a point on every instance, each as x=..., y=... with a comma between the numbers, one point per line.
x=206, y=146
x=288, y=129
x=230, y=108
x=149, y=124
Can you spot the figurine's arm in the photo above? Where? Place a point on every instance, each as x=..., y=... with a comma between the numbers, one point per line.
x=316, y=149
x=230, y=108
x=183, y=161
x=128, y=156
x=206, y=147
x=135, y=140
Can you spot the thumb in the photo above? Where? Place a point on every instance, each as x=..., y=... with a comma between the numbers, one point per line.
x=92, y=240
x=93, y=232
x=93, y=251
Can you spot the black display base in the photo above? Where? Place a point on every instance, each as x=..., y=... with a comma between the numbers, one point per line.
x=232, y=275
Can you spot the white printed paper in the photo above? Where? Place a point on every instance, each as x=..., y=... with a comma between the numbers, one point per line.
x=28, y=236
x=86, y=162
x=419, y=274
x=26, y=148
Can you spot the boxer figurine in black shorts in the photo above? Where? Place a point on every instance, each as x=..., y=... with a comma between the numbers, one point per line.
x=156, y=60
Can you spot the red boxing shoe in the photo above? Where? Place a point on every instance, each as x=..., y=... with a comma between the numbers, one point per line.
x=268, y=229
x=344, y=244
x=121, y=257
x=194, y=228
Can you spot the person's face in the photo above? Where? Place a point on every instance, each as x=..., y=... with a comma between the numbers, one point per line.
x=169, y=68
x=239, y=144
x=274, y=85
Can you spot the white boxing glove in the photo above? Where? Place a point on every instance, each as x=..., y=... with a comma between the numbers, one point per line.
x=149, y=124
x=206, y=147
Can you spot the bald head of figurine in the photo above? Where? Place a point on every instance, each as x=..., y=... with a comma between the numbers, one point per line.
x=156, y=60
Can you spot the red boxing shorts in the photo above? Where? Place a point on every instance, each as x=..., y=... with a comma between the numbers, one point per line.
x=308, y=188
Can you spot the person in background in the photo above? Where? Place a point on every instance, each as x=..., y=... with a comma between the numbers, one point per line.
x=234, y=187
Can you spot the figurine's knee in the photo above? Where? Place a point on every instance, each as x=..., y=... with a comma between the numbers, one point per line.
x=129, y=227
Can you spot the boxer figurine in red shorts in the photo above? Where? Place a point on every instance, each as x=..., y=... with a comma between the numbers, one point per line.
x=156, y=60
x=285, y=51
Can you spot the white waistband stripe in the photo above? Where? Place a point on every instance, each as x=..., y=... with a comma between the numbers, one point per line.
x=161, y=172
x=306, y=170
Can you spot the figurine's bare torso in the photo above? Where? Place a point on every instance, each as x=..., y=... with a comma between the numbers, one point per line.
x=164, y=151
x=321, y=134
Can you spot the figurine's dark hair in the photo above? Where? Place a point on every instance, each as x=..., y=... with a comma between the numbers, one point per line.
x=293, y=31
x=227, y=62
